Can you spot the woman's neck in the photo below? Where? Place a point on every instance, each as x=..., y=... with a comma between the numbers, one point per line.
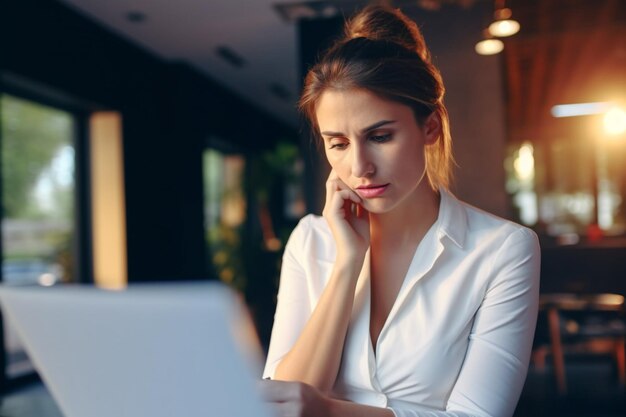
x=407, y=223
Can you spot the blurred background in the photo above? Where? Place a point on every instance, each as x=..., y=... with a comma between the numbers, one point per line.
x=151, y=140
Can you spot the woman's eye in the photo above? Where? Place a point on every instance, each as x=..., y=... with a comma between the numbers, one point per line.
x=380, y=138
x=338, y=145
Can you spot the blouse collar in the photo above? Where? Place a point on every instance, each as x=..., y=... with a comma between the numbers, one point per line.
x=452, y=218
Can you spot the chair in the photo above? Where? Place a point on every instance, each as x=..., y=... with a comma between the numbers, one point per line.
x=581, y=323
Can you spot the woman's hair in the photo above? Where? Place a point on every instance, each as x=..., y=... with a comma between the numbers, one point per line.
x=384, y=52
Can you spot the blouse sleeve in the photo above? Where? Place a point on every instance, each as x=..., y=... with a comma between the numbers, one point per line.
x=293, y=307
x=494, y=370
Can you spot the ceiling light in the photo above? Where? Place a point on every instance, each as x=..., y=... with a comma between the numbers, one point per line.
x=615, y=121
x=503, y=25
x=308, y=9
x=430, y=5
x=489, y=47
x=295, y=12
x=579, y=109
x=329, y=11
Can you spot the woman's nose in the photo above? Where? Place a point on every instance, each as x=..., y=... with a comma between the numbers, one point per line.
x=362, y=165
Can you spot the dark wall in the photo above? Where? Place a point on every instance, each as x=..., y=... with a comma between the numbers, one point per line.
x=583, y=269
x=169, y=110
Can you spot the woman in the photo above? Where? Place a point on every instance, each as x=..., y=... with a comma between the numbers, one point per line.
x=400, y=300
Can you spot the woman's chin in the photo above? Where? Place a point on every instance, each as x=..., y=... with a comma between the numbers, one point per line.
x=376, y=206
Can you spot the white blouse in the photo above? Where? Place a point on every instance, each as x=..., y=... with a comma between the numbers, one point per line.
x=457, y=341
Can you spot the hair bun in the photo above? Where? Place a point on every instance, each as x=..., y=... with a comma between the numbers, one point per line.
x=385, y=23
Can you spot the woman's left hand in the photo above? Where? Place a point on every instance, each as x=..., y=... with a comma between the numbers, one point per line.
x=295, y=399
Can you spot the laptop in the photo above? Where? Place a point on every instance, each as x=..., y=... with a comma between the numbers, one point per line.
x=151, y=350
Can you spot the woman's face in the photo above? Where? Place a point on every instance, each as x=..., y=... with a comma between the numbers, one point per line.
x=375, y=146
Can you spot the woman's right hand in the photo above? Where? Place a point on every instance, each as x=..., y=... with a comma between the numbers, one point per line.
x=348, y=220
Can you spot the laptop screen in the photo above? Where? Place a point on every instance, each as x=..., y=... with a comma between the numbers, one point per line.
x=151, y=350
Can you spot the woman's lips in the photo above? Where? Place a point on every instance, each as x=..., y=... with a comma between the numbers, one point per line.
x=371, y=191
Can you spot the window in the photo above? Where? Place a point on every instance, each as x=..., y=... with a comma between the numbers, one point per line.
x=569, y=187
x=38, y=201
x=225, y=215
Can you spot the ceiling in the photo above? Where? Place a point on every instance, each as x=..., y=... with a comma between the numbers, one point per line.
x=193, y=30
x=262, y=36
x=257, y=32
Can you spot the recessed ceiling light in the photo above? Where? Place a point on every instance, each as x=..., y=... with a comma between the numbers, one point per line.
x=280, y=91
x=294, y=11
x=136, y=16
x=230, y=56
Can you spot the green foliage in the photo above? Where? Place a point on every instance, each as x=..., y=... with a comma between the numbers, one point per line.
x=237, y=259
x=31, y=135
x=225, y=250
x=273, y=164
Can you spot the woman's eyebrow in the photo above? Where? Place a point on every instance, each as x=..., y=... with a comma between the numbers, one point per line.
x=377, y=125
x=363, y=131
x=328, y=133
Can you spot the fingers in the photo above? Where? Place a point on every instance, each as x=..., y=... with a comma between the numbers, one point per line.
x=279, y=391
x=334, y=183
x=292, y=409
x=337, y=192
x=347, y=218
x=342, y=203
x=272, y=391
x=277, y=394
x=361, y=212
x=292, y=398
x=349, y=195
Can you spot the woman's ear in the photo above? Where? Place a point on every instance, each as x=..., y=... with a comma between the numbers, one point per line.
x=432, y=128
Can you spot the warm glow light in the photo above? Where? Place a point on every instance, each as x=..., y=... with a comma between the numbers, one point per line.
x=489, y=47
x=503, y=28
x=524, y=164
x=108, y=203
x=273, y=244
x=579, y=109
x=47, y=280
x=615, y=121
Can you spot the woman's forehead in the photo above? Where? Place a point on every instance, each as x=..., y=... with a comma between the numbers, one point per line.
x=357, y=109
